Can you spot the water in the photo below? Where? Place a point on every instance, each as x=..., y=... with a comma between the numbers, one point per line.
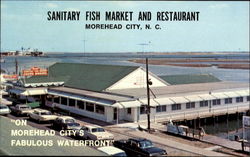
x=219, y=126
x=122, y=59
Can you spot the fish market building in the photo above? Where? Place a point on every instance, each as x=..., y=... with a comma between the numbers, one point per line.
x=115, y=94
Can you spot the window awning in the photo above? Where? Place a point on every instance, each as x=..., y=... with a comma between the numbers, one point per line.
x=35, y=92
x=58, y=93
x=45, y=84
x=152, y=102
x=207, y=96
x=127, y=104
x=231, y=94
x=179, y=100
x=243, y=92
x=193, y=98
x=219, y=95
x=82, y=98
x=118, y=105
x=164, y=101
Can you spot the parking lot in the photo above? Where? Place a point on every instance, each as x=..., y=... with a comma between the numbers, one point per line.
x=119, y=133
x=174, y=146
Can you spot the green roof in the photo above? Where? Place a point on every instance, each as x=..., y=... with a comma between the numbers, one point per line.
x=94, y=77
x=189, y=78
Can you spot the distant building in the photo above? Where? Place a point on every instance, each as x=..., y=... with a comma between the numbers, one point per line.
x=115, y=93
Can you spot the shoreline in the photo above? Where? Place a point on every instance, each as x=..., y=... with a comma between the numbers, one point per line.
x=220, y=63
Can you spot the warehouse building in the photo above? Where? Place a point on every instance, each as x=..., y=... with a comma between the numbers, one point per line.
x=115, y=94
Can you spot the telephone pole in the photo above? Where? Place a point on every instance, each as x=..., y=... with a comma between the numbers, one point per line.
x=148, y=95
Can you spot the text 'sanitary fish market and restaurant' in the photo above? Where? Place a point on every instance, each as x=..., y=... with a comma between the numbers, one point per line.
x=116, y=94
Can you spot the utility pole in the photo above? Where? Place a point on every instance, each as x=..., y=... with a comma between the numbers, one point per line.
x=16, y=65
x=148, y=95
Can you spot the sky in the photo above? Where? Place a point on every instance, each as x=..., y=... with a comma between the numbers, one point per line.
x=222, y=26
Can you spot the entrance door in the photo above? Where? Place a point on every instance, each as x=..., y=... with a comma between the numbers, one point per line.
x=115, y=114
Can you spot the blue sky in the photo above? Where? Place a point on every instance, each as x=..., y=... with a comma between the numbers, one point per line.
x=223, y=26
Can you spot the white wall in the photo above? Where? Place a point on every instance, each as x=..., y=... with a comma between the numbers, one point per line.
x=180, y=113
x=137, y=79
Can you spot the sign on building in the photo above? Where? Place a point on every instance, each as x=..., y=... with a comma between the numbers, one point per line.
x=246, y=121
x=35, y=71
x=245, y=124
x=10, y=77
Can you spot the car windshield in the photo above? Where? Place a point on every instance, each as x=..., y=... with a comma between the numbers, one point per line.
x=3, y=107
x=73, y=124
x=69, y=120
x=146, y=144
x=98, y=130
x=120, y=154
x=24, y=107
x=46, y=113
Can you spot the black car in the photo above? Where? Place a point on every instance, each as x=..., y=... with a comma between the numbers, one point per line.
x=139, y=147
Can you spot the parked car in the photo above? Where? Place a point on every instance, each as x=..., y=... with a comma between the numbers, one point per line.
x=66, y=122
x=94, y=132
x=21, y=109
x=112, y=151
x=4, y=110
x=42, y=115
x=139, y=147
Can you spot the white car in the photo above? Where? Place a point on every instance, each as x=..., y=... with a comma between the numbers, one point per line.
x=94, y=132
x=4, y=110
x=112, y=151
x=21, y=109
x=42, y=115
x=66, y=122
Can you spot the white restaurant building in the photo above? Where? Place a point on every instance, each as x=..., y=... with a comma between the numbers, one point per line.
x=116, y=94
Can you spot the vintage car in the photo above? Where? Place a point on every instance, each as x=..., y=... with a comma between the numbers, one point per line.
x=139, y=147
x=66, y=123
x=21, y=109
x=94, y=132
x=42, y=115
x=112, y=151
x=4, y=110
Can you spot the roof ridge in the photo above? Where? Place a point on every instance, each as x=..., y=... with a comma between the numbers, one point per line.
x=108, y=65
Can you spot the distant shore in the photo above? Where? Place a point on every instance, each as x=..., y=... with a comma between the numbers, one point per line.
x=220, y=63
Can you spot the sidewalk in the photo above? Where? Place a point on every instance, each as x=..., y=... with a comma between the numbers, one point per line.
x=222, y=142
x=163, y=141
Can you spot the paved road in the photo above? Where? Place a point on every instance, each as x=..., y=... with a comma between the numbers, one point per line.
x=5, y=146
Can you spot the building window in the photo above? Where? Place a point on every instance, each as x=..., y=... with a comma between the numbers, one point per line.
x=176, y=107
x=80, y=105
x=89, y=107
x=63, y=101
x=72, y=102
x=228, y=101
x=49, y=98
x=190, y=105
x=56, y=100
x=143, y=110
x=99, y=109
x=248, y=98
x=162, y=108
x=239, y=99
x=203, y=103
x=128, y=110
x=216, y=102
